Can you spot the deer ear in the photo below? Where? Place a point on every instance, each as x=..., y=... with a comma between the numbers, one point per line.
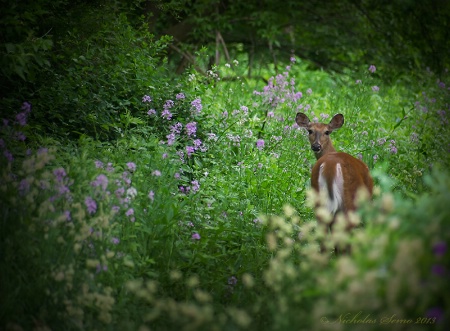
x=302, y=120
x=336, y=122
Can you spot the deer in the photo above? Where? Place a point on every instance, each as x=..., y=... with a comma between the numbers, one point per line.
x=337, y=177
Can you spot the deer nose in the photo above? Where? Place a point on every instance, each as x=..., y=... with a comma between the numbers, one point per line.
x=316, y=147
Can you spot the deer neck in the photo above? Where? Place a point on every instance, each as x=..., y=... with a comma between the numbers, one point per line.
x=328, y=149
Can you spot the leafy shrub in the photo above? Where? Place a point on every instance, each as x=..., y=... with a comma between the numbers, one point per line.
x=101, y=79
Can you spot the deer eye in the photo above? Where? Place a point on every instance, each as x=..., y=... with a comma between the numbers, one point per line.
x=310, y=131
x=327, y=132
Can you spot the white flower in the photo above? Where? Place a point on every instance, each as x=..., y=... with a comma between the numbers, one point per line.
x=131, y=193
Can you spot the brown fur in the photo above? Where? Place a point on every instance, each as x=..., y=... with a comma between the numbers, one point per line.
x=355, y=172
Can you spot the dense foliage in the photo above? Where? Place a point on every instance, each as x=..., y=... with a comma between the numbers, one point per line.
x=403, y=34
x=135, y=199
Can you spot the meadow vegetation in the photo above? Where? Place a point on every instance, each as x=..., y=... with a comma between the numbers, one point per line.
x=135, y=200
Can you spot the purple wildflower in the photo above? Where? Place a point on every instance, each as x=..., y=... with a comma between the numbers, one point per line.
x=21, y=118
x=435, y=312
x=169, y=104
x=151, y=112
x=151, y=196
x=375, y=88
x=101, y=181
x=195, y=186
x=59, y=173
x=440, y=248
x=63, y=189
x=156, y=173
x=115, y=240
x=129, y=212
x=131, y=166
x=180, y=96
x=115, y=209
x=67, y=215
x=358, y=81
x=292, y=59
x=26, y=106
x=19, y=136
x=438, y=269
x=177, y=175
x=91, y=205
x=197, y=143
x=195, y=236
x=109, y=167
x=260, y=144
x=381, y=141
x=197, y=104
x=372, y=68
x=125, y=178
x=120, y=192
x=176, y=129
x=166, y=114
x=171, y=139
x=98, y=164
x=191, y=128
x=190, y=150
x=146, y=98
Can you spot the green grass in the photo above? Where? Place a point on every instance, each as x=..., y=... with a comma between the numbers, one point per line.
x=224, y=238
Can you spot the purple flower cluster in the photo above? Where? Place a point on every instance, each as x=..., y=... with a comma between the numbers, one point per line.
x=279, y=90
x=131, y=166
x=260, y=144
x=151, y=196
x=91, y=205
x=392, y=147
x=62, y=182
x=21, y=117
x=191, y=129
x=195, y=187
x=146, y=98
x=21, y=120
x=197, y=105
x=100, y=181
x=166, y=114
